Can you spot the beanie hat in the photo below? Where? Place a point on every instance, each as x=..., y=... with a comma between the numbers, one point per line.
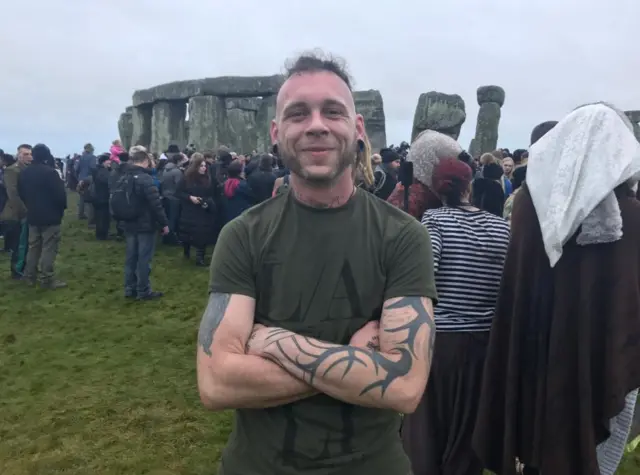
x=389, y=156
x=41, y=153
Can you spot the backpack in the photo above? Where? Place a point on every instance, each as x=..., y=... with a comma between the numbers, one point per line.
x=124, y=202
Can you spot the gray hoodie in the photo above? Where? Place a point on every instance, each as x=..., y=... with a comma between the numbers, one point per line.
x=169, y=181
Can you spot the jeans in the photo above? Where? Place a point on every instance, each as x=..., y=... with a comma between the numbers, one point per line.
x=15, y=236
x=172, y=209
x=85, y=210
x=43, y=250
x=103, y=220
x=137, y=266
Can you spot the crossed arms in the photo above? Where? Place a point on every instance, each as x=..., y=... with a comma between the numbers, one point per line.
x=278, y=366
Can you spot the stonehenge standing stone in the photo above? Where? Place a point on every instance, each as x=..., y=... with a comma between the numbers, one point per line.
x=167, y=125
x=264, y=116
x=444, y=113
x=490, y=100
x=206, y=118
x=369, y=104
x=141, y=125
x=240, y=131
x=125, y=127
x=232, y=111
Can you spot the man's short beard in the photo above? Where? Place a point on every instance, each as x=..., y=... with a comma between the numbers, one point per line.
x=347, y=159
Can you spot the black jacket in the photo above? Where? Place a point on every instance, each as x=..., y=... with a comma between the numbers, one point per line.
x=42, y=191
x=197, y=223
x=261, y=183
x=152, y=216
x=101, y=177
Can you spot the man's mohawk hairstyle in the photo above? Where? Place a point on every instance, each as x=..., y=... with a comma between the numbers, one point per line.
x=316, y=61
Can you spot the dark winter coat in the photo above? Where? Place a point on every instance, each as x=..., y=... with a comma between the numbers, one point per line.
x=261, y=183
x=237, y=198
x=101, y=177
x=42, y=191
x=197, y=221
x=152, y=217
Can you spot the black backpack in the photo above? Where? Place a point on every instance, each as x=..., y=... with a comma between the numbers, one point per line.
x=124, y=202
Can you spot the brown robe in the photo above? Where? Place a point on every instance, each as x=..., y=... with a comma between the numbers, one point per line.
x=564, y=348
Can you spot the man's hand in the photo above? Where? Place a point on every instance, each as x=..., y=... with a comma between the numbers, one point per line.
x=367, y=336
x=165, y=230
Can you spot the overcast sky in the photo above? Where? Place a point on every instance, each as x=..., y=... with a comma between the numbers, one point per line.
x=68, y=68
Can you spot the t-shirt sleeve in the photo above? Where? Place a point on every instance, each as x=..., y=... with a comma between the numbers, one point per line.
x=231, y=264
x=410, y=264
x=431, y=223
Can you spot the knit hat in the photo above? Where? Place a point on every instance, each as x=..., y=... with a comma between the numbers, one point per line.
x=389, y=156
x=41, y=153
x=173, y=148
x=103, y=158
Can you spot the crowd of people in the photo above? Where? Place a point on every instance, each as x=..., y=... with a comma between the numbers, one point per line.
x=493, y=300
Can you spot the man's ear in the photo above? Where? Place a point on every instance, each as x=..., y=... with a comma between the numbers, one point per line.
x=273, y=132
x=360, y=130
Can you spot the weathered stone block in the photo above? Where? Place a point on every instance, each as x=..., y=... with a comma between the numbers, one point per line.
x=240, y=132
x=226, y=86
x=488, y=94
x=444, y=113
x=141, y=126
x=125, y=128
x=486, y=139
x=370, y=105
x=243, y=103
x=265, y=115
x=167, y=125
x=206, y=119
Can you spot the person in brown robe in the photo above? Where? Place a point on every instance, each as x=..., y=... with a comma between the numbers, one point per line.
x=564, y=346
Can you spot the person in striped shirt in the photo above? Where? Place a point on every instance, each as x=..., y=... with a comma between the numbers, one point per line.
x=469, y=249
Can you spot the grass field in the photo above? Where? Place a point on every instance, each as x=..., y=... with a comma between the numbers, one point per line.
x=93, y=384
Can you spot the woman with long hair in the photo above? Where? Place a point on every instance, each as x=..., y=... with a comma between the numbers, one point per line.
x=469, y=249
x=198, y=215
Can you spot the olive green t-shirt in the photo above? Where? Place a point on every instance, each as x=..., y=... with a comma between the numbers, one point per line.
x=322, y=273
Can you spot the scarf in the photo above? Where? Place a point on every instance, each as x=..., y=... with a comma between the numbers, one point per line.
x=573, y=172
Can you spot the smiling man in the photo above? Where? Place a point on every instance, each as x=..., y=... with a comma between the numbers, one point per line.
x=319, y=327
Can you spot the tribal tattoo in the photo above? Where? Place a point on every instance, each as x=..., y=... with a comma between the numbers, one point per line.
x=213, y=315
x=317, y=359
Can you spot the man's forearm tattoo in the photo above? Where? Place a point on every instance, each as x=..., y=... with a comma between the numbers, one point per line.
x=213, y=315
x=311, y=354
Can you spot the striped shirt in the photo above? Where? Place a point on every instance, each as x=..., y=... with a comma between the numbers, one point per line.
x=469, y=249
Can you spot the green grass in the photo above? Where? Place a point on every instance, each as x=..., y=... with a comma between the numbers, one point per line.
x=93, y=384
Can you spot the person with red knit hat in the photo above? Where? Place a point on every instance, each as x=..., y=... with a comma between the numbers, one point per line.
x=469, y=247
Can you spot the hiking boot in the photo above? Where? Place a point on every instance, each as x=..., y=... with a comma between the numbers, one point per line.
x=150, y=296
x=53, y=285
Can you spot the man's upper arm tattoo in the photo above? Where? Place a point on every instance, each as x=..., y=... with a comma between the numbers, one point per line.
x=317, y=358
x=213, y=315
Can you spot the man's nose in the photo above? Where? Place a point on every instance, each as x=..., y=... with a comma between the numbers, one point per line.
x=317, y=124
